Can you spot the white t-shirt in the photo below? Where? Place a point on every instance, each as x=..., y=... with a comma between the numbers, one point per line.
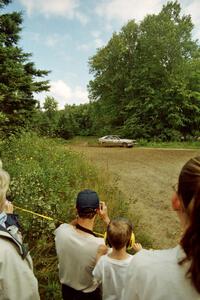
x=156, y=275
x=111, y=273
x=76, y=256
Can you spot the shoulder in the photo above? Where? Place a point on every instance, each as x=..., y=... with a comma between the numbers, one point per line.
x=146, y=257
x=63, y=227
x=151, y=262
x=11, y=254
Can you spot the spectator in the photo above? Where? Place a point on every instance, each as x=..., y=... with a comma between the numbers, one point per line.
x=111, y=268
x=174, y=273
x=17, y=281
x=76, y=246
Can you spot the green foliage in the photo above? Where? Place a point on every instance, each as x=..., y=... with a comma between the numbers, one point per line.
x=72, y=120
x=45, y=178
x=18, y=76
x=4, y=2
x=147, y=78
x=50, y=105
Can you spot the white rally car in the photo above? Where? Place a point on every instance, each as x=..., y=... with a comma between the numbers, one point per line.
x=116, y=141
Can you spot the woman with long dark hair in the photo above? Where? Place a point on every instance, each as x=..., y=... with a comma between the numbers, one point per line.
x=172, y=274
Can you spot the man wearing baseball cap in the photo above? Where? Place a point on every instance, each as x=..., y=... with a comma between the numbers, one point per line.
x=76, y=246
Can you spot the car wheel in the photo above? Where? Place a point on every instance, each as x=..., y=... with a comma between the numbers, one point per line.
x=124, y=145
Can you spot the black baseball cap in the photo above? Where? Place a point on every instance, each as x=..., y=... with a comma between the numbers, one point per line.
x=87, y=199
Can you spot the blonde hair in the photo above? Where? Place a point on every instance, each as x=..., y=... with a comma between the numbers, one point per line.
x=4, y=185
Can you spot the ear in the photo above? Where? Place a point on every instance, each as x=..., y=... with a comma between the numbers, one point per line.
x=176, y=203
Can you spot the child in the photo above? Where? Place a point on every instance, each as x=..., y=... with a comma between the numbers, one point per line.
x=110, y=269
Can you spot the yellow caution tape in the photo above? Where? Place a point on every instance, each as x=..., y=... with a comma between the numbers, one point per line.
x=36, y=214
x=46, y=217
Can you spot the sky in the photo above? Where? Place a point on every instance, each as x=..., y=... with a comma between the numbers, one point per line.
x=63, y=34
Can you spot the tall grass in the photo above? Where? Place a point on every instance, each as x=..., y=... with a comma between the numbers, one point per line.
x=46, y=178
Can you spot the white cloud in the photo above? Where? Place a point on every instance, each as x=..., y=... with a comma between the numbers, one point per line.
x=193, y=8
x=99, y=42
x=55, y=39
x=62, y=8
x=95, y=42
x=96, y=34
x=64, y=94
x=82, y=18
x=84, y=47
x=123, y=10
x=51, y=41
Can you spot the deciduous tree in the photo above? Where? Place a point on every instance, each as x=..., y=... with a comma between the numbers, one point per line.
x=147, y=78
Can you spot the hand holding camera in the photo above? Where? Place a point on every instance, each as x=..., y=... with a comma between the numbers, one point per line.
x=103, y=213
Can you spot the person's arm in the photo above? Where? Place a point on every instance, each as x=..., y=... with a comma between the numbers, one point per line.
x=98, y=271
x=102, y=250
x=103, y=213
x=137, y=247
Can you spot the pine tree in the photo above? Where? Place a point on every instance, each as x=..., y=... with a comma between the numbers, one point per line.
x=17, y=75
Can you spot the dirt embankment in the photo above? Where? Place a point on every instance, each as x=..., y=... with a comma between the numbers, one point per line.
x=146, y=177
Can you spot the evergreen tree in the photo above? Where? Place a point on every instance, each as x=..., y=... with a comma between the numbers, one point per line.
x=18, y=75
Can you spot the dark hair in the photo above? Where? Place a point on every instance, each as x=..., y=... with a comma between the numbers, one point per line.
x=86, y=213
x=119, y=233
x=189, y=192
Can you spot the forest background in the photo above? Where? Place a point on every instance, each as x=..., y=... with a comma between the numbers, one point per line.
x=146, y=83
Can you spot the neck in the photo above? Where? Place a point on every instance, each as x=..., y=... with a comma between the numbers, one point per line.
x=87, y=223
x=119, y=254
x=184, y=221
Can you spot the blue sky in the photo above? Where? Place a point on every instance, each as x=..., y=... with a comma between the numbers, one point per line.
x=63, y=34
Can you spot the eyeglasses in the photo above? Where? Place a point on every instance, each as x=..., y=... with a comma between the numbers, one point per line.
x=175, y=187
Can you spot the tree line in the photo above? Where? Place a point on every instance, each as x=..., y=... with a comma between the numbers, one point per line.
x=146, y=82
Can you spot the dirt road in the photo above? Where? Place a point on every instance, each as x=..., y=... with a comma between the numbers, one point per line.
x=146, y=177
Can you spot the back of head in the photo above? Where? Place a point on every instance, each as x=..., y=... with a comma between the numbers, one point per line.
x=189, y=193
x=87, y=203
x=4, y=184
x=119, y=233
